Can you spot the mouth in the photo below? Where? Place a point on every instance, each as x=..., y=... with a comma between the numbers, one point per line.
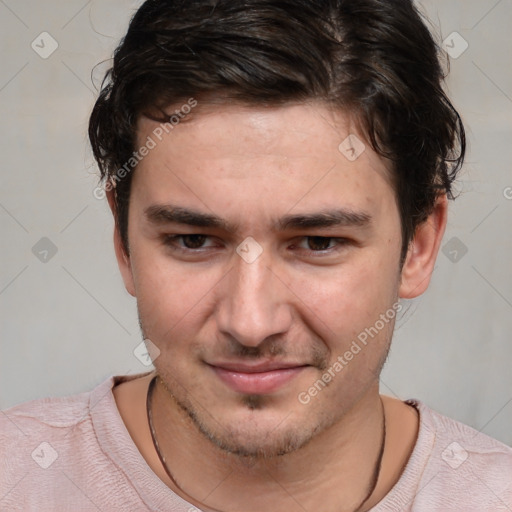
x=257, y=379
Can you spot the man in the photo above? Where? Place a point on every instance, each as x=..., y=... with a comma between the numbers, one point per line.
x=279, y=175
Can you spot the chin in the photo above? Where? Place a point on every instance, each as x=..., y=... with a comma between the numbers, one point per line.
x=266, y=444
x=256, y=432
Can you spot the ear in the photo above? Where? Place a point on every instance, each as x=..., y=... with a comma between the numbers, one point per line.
x=423, y=250
x=123, y=259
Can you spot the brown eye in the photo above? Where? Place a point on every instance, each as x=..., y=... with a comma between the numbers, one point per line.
x=319, y=243
x=193, y=241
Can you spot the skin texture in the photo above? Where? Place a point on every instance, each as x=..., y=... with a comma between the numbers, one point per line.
x=291, y=305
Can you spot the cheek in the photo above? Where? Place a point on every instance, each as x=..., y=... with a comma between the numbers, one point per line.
x=170, y=297
x=347, y=299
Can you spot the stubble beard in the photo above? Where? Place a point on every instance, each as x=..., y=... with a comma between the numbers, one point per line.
x=253, y=446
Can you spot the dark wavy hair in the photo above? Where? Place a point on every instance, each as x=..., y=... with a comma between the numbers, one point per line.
x=374, y=59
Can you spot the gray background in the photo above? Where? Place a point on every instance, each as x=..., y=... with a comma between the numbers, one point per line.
x=67, y=322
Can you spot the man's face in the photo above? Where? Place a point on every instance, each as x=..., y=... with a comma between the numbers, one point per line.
x=243, y=335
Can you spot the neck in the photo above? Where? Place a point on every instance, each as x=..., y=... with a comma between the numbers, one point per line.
x=336, y=468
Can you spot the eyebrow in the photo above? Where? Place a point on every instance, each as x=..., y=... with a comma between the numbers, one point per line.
x=165, y=214
x=325, y=219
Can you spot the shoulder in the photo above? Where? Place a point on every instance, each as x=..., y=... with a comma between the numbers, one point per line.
x=464, y=466
x=69, y=418
x=460, y=441
x=36, y=437
x=51, y=412
x=60, y=412
x=41, y=430
x=53, y=447
x=44, y=429
x=48, y=413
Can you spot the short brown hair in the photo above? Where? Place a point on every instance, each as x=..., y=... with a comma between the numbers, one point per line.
x=373, y=58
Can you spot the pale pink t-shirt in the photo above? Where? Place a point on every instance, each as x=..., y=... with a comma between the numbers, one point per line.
x=75, y=454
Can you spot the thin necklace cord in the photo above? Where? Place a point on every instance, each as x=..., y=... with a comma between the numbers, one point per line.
x=375, y=476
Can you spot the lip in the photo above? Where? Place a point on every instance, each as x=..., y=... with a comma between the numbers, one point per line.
x=259, y=379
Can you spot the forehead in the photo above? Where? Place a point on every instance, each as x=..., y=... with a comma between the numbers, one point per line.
x=286, y=130
x=279, y=155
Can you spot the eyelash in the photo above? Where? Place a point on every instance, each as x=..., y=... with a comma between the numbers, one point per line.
x=170, y=241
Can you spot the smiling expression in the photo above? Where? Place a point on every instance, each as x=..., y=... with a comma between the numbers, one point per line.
x=241, y=337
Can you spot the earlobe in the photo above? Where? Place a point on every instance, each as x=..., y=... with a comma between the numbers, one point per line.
x=123, y=259
x=423, y=251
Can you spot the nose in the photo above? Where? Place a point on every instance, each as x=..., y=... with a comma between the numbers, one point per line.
x=254, y=303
